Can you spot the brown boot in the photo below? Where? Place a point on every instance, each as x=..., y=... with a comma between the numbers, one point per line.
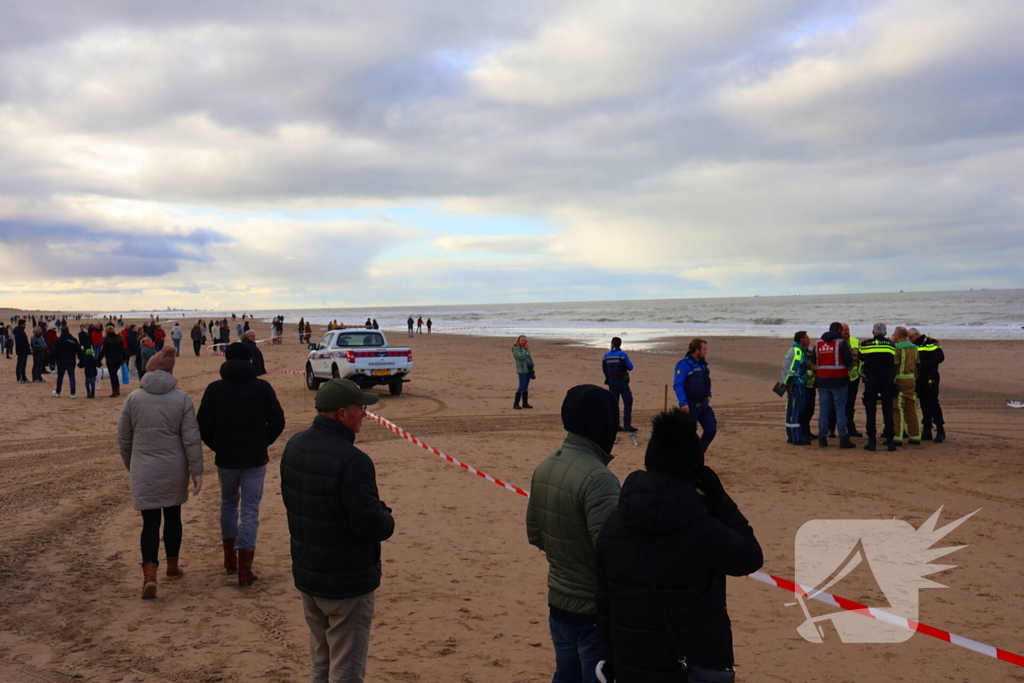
x=149, y=580
x=230, y=558
x=116, y=392
x=173, y=572
x=245, y=575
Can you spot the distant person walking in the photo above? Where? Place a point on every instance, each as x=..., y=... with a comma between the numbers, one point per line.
x=68, y=353
x=39, y=347
x=337, y=523
x=161, y=448
x=197, y=338
x=176, y=334
x=22, y=350
x=525, y=371
x=309, y=331
x=410, y=322
x=419, y=325
x=430, y=324
x=692, y=385
x=91, y=368
x=239, y=418
x=113, y=352
x=616, y=366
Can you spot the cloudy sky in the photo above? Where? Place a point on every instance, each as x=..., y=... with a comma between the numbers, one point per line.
x=263, y=154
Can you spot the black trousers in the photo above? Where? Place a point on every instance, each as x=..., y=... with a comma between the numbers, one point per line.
x=19, y=368
x=150, y=539
x=38, y=363
x=875, y=391
x=196, y=345
x=808, y=414
x=851, y=404
x=928, y=397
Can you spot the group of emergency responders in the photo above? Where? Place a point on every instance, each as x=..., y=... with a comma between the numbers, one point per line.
x=901, y=373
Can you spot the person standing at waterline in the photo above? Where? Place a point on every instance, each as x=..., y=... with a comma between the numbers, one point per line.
x=160, y=446
x=524, y=368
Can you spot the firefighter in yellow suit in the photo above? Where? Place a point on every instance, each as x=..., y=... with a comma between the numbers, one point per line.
x=906, y=386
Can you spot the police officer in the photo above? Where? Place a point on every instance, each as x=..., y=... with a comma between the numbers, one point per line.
x=794, y=376
x=692, y=385
x=929, y=356
x=616, y=366
x=878, y=358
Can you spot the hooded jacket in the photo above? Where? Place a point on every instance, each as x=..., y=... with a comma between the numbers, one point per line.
x=159, y=439
x=112, y=351
x=335, y=516
x=21, y=344
x=257, y=357
x=663, y=531
x=240, y=416
x=847, y=357
x=572, y=494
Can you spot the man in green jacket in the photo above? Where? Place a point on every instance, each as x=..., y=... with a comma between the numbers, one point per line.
x=572, y=494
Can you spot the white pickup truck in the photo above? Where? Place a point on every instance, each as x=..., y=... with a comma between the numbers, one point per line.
x=360, y=355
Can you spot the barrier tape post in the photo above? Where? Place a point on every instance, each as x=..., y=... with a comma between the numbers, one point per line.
x=833, y=600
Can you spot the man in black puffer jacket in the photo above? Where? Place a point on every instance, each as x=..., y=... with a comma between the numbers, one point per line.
x=662, y=559
x=239, y=418
x=337, y=523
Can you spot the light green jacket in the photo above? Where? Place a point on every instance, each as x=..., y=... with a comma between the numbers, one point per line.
x=524, y=361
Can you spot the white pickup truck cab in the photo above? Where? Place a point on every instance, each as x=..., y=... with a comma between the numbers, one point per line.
x=360, y=355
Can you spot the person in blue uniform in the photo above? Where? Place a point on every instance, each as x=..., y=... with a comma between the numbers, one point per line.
x=692, y=385
x=616, y=366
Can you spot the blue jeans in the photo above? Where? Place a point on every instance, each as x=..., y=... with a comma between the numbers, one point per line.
x=524, y=382
x=622, y=389
x=702, y=414
x=829, y=400
x=177, y=347
x=794, y=408
x=70, y=370
x=245, y=485
x=577, y=651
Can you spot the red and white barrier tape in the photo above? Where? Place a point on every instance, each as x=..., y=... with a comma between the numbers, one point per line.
x=412, y=439
x=888, y=618
x=834, y=600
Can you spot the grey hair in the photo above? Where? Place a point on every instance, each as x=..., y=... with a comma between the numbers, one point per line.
x=251, y=334
x=901, y=331
x=879, y=328
x=912, y=330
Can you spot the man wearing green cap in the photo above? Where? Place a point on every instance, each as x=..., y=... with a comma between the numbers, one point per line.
x=337, y=523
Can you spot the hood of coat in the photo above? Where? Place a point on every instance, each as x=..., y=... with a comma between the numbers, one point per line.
x=158, y=382
x=592, y=412
x=652, y=504
x=831, y=336
x=238, y=371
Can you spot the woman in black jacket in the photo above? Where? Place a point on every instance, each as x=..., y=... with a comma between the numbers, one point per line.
x=113, y=351
x=662, y=559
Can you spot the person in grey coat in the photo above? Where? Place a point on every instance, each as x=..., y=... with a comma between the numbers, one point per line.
x=161, y=448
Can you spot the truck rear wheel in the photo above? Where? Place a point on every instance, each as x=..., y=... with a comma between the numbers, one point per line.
x=334, y=372
x=312, y=382
x=396, y=388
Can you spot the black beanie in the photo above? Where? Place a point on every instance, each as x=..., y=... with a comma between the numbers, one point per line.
x=674, y=449
x=238, y=351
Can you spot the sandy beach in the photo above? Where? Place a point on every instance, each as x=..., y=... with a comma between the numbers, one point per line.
x=463, y=593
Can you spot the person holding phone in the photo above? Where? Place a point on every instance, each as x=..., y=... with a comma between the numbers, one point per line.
x=524, y=368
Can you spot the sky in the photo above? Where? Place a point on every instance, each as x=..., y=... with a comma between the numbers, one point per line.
x=256, y=154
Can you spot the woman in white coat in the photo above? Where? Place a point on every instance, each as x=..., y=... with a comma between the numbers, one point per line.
x=161, y=448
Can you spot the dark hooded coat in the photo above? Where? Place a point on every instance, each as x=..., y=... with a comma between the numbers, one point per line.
x=240, y=417
x=665, y=532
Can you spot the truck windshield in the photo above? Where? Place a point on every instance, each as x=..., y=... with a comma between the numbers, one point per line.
x=358, y=339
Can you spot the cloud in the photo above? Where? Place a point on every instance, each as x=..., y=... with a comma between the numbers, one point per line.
x=526, y=245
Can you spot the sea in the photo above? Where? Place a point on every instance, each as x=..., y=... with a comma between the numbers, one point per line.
x=972, y=314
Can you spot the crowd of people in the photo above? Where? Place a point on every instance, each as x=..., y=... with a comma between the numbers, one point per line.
x=900, y=374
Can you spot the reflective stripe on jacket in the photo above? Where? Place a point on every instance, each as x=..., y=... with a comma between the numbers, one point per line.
x=878, y=356
x=906, y=360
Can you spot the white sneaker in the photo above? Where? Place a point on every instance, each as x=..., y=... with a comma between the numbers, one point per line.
x=72, y=395
x=55, y=393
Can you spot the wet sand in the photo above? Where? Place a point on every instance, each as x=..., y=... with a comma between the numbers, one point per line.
x=463, y=594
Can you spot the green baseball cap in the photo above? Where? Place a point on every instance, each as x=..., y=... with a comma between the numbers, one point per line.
x=342, y=393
